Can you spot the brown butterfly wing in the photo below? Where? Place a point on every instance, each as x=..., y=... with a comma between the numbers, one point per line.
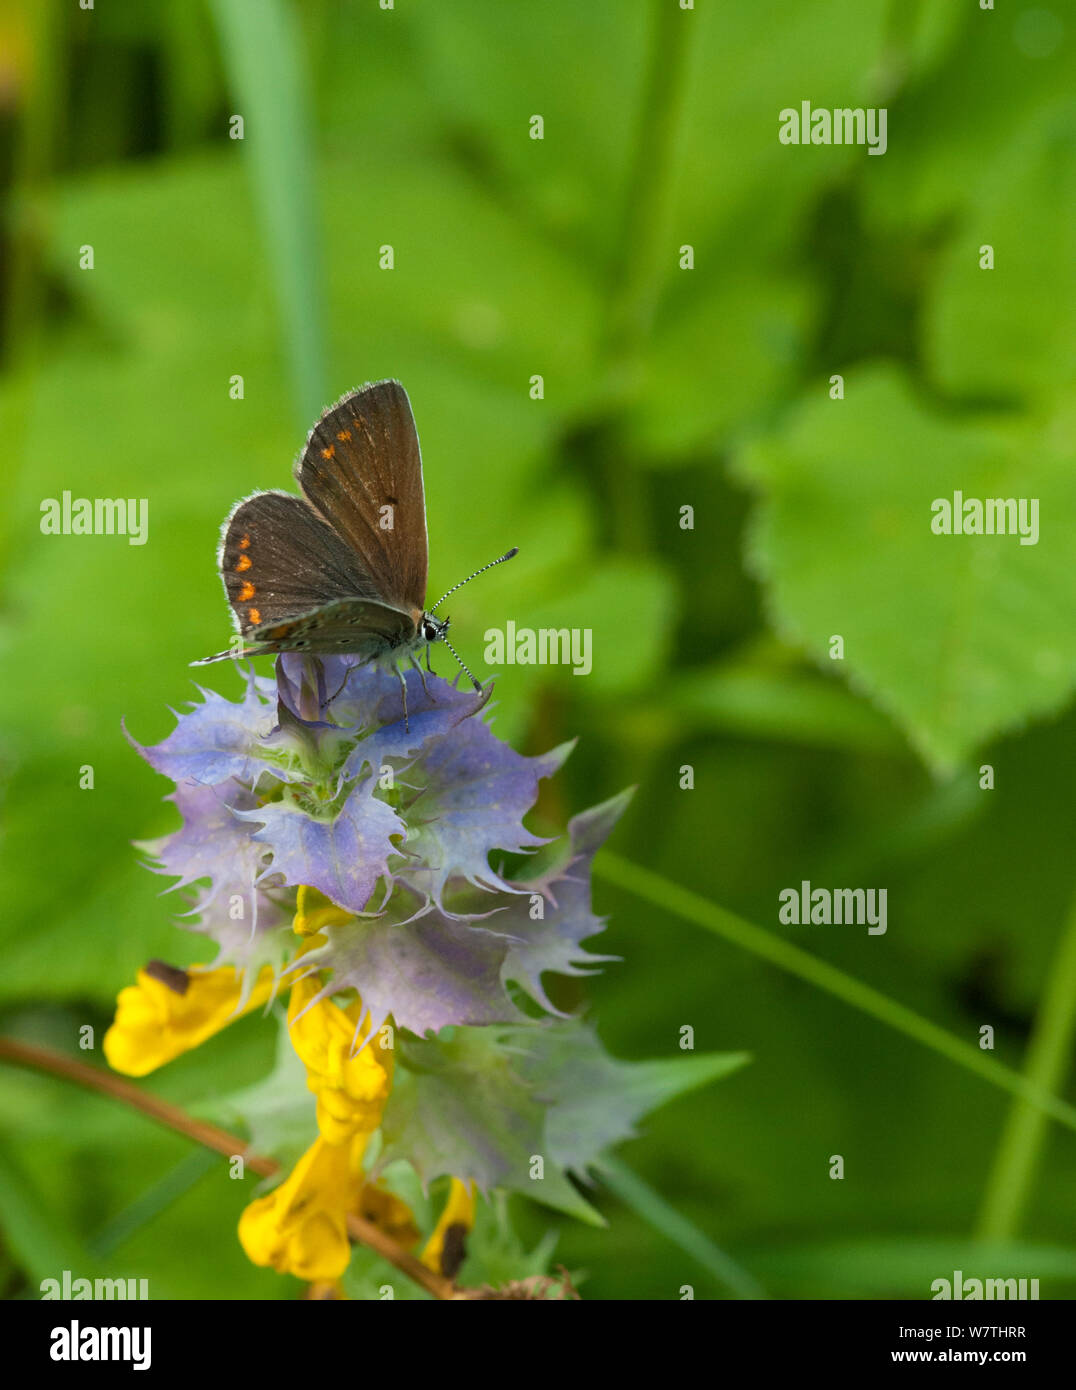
x=354, y=625
x=361, y=469
x=280, y=560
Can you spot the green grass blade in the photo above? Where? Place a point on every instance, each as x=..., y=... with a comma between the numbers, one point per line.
x=262, y=48
x=671, y=897
x=1050, y=1049
x=656, y=1212
x=169, y=1189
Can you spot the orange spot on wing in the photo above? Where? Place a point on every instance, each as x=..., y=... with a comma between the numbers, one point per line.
x=254, y=616
x=328, y=453
x=344, y=435
x=246, y=592
x=244, y=544
x=243, y=563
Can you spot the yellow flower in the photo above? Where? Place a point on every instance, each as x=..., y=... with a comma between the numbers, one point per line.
x=300, y=1227
x=351, y=1088
x=313, y=910
x=169, y=1011
x=390, y=1214
x=445, y=1250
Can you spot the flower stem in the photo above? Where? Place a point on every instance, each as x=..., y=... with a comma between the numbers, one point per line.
x=1009, y=1184
x=44, y=1059
x=671, y=897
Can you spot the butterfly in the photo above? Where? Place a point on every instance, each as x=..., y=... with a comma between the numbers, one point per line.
x=341, y=569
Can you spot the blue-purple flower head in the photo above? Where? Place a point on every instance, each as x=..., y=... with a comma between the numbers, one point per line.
x=316, y=779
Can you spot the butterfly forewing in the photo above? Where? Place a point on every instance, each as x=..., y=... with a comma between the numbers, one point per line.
x=279, y=560
x=361, y=469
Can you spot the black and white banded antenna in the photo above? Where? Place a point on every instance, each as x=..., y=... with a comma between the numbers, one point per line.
x=441, y=636
x=500, y=561
x=463, y=666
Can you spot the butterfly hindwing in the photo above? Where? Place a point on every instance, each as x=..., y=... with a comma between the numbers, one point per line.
x=279, y=559
x=364, y=626
x=362, y=470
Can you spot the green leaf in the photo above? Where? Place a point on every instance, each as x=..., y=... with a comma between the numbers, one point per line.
x=43, y=1247
x=750, y=329
x=496, y=1253
x=371, y=1279
x=787, y=705
x=936, y=168
x=567, y=183
x=956, y=637
x=1008, y=331
x=624, y=606
x=482, y=1103
x=460, y=1107
x=595, y=1100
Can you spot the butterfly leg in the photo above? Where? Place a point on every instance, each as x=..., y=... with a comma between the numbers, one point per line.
x=429, y=667
x=403, y=692
x=344, y=682
x=422, y=677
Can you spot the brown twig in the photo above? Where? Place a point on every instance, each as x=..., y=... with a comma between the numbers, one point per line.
x=44, y=1059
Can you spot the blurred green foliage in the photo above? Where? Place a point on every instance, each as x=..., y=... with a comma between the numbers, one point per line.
x=663, y=388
